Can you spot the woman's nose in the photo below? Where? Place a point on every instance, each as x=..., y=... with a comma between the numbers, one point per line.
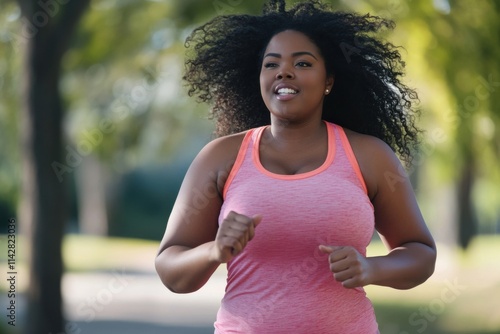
x=285, y=73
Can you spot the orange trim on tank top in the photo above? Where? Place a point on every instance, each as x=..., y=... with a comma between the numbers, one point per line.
x=328, y=161
x=237, y=163
x=352, y=158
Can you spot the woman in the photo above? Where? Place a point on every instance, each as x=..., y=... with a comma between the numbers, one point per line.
x=308, y=106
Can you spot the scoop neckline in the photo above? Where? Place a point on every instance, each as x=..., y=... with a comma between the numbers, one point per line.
x=328, y=160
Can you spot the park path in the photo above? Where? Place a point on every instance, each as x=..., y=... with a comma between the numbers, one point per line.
x=126, y=302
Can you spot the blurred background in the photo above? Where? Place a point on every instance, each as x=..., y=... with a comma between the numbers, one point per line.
x=97, y=131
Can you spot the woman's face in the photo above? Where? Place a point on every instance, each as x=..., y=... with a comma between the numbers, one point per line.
x=293, y=78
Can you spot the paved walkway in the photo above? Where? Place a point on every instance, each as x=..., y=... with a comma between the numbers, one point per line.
x=121, y=302
x=128, y=327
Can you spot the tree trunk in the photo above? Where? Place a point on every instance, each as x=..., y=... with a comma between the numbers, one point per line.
x=43, y=209
x=47, y=27
x=467, y=222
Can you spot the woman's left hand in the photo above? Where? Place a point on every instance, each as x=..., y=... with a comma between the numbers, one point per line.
x=348, y=266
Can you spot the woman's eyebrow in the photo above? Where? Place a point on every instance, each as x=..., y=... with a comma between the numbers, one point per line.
x=295, y=54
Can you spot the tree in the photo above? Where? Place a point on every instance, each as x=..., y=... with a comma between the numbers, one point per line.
x=50, y=25
x=128, y=107
x=465, y=52
x=9, y=105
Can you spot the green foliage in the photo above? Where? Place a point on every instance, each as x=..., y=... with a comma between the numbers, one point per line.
x=451, y=48
x=10, y=64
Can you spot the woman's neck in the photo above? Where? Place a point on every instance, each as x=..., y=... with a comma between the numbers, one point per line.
x=294, y=133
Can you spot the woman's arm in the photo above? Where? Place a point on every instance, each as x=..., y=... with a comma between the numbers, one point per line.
x=194, y=245
x=412, y=251
x=398, y=220
x=183, y=261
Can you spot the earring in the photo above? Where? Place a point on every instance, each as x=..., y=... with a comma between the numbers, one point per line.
x=327, y=91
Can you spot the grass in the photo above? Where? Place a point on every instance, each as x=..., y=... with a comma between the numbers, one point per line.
x=96, y=253
x=462, y=297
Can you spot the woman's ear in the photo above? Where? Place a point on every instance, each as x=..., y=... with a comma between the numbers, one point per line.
x=329, y=83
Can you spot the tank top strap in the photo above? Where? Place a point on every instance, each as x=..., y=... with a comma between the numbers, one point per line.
x=246, y=145
x=345, y=151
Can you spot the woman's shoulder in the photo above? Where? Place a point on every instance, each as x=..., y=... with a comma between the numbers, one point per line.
x=223, y=149
x=367, y=145
x=375, y=159
x=216, y=159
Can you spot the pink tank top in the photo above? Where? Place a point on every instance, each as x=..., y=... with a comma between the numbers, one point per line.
x=281, y=282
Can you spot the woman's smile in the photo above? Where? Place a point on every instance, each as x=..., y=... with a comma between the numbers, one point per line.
x=293, y=77
x=285, y=91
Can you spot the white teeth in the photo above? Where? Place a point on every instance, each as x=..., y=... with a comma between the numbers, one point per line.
x=283, y=91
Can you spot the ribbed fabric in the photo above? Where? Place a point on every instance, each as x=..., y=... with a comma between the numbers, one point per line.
x=281, y=282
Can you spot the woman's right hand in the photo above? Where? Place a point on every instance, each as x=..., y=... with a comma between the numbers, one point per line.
x=233, y=234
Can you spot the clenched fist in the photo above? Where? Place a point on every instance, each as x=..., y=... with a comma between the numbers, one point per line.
x=348, y=266
x=234, y=233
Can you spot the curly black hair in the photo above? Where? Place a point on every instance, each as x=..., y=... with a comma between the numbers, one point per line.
x=225, y=56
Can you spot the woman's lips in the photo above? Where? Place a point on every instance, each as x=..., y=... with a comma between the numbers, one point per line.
x=285, y=92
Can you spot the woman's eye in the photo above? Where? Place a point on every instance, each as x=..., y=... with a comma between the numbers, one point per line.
x=303, y=64
x=270, y=65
